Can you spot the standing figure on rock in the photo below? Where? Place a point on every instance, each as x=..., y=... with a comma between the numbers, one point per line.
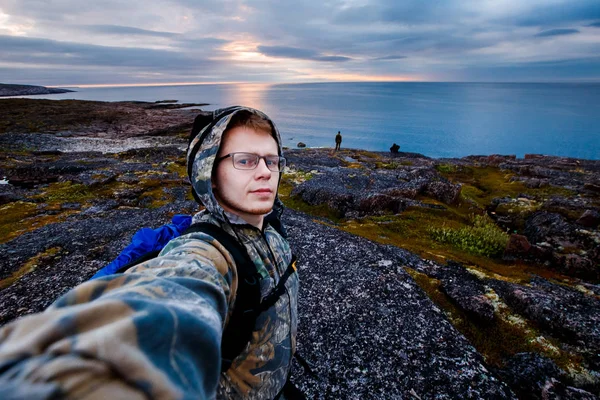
x=338, y=141
x=160, y=329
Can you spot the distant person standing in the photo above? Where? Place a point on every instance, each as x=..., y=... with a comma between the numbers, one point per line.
x=338, y=141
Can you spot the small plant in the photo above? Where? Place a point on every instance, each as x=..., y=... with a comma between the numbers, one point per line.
x=483, y=237
x=445, y=168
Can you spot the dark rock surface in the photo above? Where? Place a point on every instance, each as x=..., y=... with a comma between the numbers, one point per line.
x=355, y=193
x=369, y=331
x=534, y=377
x=563, y=312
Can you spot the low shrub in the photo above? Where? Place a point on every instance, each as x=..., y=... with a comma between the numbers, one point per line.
x=483, y=237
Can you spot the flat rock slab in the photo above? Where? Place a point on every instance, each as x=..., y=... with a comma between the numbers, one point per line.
x=368, y=330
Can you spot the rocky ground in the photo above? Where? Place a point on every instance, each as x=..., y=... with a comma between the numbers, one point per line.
x=421, y=278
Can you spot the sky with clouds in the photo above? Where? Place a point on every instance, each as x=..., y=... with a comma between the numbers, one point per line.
x=74, y=42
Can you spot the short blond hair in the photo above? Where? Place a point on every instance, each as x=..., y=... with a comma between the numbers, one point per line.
x=249, y=120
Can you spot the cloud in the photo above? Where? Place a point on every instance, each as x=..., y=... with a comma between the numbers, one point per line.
x=405, y=12
x=556, y=32
x=391, y=57
x=51, y=52
x=560, y=12
x=126, y=30
x=298, y=53
x=583, y=69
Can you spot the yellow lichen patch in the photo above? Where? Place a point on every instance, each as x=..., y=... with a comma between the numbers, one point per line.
x=177, y=168
x=482, y=184
x=296, y=177
x=495, y=340
x=580, y=375
x=364, y=155
x=353, y=165
x=12, y=216
x=63, y=192
x=154, y=194
x=30, y=266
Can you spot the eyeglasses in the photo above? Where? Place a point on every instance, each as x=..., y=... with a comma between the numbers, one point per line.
x=246, y=161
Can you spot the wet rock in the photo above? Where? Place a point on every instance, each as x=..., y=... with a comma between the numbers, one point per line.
x=518, y=246
x=595, y=188
x=467, y=291
x=301, y=145
x=570, y=208
x=576, y=265
x=533, y=376
x=129, y=178
x=349, y=191
x=444, y=191
x=381, y=203
x=542, y=225
x=8, y=197
x=70, y=206
x=94, y=178
x=493, y=159
x=589, y=218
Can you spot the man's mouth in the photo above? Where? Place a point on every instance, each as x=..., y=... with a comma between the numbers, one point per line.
x=262, y=191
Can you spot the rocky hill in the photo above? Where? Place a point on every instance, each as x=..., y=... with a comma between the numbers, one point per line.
x=26, y=90
x=421, y=278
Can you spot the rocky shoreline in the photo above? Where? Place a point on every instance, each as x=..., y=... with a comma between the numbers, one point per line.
x=28, y=90
x=421, y=278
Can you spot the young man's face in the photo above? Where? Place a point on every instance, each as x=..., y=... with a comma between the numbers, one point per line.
x=247, y=193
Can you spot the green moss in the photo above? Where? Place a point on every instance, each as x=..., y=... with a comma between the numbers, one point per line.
x=296, y=203
x=29, y=266
x=446, y=168
x=480, y=185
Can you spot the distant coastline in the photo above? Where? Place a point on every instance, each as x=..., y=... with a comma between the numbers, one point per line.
x=27, y=90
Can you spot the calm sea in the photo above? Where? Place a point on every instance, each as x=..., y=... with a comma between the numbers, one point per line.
x=435, y=119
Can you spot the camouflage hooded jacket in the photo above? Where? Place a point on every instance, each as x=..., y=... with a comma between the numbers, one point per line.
x=155, y=331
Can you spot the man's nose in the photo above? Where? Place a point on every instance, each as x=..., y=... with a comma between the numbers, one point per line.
x=262, y=171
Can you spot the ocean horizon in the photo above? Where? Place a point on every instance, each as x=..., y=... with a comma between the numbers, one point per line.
x=436, y=119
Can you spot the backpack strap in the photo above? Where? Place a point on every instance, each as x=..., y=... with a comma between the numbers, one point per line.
x=278, y=291
x=274, y=220
x=238, y=331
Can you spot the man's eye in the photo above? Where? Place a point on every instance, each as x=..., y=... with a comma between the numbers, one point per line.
x=246, y=161
x=271, y=161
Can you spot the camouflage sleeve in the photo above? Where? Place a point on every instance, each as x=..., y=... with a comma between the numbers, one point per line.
x=154, y=332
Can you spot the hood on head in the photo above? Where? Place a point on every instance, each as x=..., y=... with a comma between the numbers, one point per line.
x=203, y=148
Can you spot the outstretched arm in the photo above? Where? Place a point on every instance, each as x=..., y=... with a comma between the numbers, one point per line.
x=152, y=332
